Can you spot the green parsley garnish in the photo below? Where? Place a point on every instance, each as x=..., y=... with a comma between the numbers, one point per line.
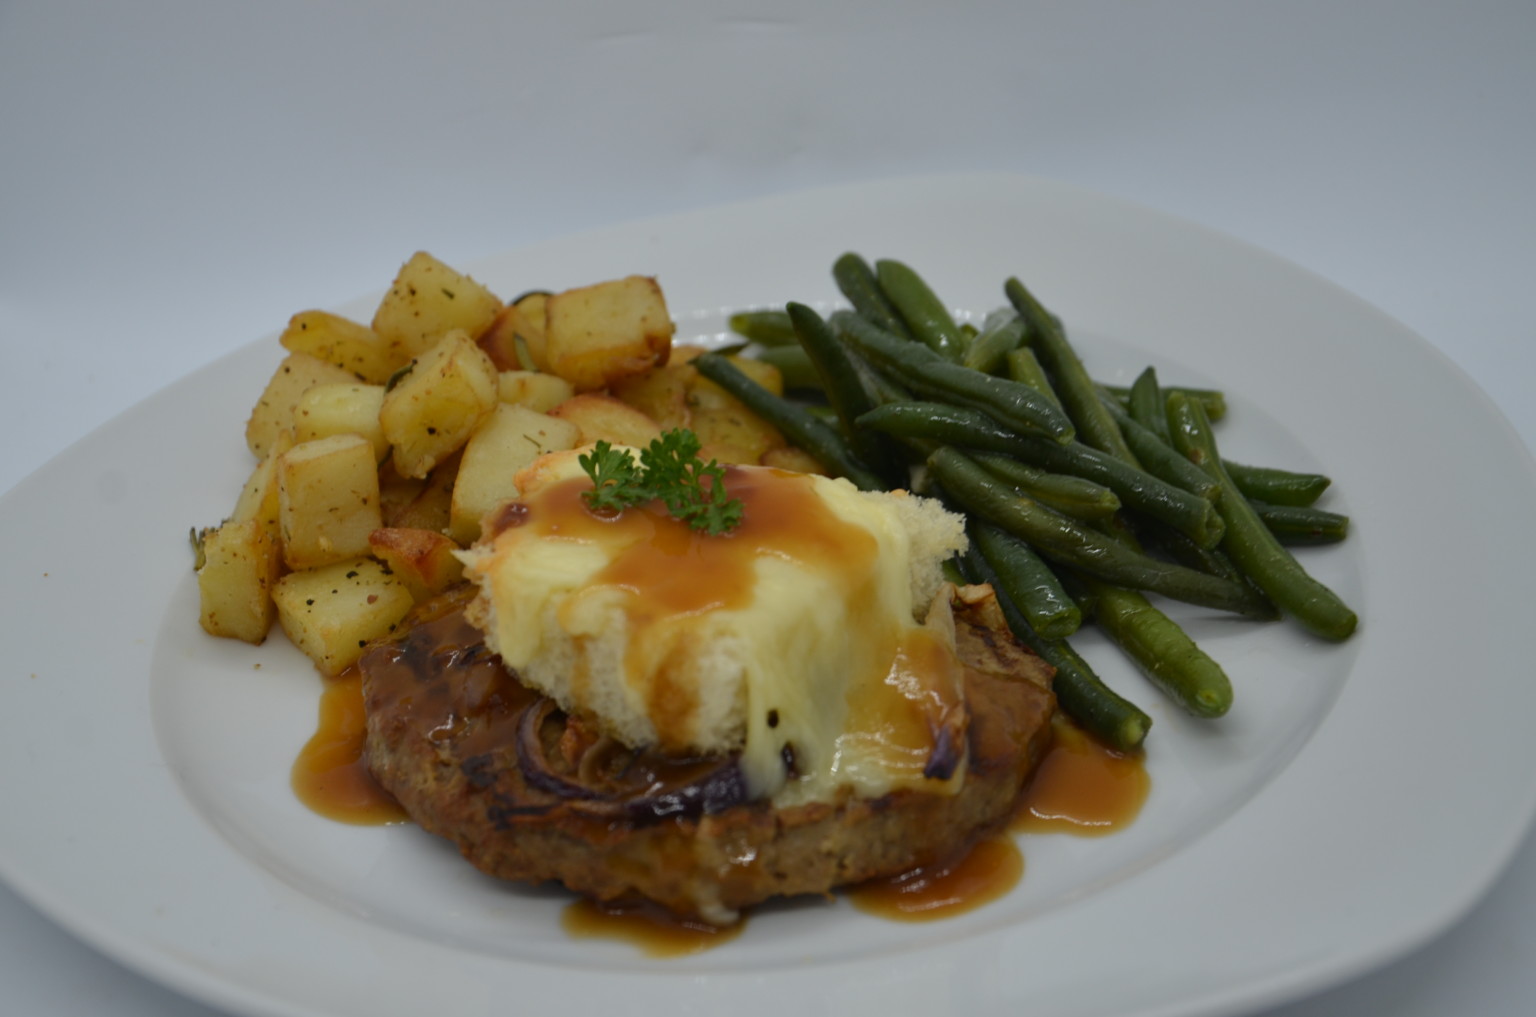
x=669, y=471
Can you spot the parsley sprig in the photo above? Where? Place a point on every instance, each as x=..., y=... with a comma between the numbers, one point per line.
x=670, y=471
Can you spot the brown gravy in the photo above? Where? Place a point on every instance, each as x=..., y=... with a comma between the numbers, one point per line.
x=329, y=775
x=656, y=934
x=988, y=871
x=1080, y=787
x=1083, y=788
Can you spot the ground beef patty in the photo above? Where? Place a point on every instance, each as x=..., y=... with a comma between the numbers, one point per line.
x=529, y=794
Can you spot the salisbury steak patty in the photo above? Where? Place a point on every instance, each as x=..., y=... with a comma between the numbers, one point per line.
x=530, y=794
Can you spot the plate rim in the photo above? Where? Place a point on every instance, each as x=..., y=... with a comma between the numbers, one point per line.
x=197, y=982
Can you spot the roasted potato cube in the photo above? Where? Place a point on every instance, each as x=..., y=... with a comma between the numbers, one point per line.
x=513, y=437
x=396, y=492
x=734, y=436
x=431, y=508
x=330, y=409
x=341, y=341
x=532, y=310
x=661, y=394
x=432, y=410
x=327, y=500
x=506, y=339
x=794, y=459
x=427, y=301
x=273, y=412
x=422, y=559
x=534, y=389
x=604, y=418
x=704, y=394
x=595, y=335
x=333, y=611
x=258, y=498
x=241, y=563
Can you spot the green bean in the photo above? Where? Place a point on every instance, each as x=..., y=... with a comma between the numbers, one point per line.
x=856, y=281
x=794, y=365
x=1076, y=390
x=1001, y=333
x=1145, y=404
x=1068, y=542
x=1161, y=649
x=1024, y=368
x=920, y=369
x=1248, y=541
x=1157, y=456
x=844, y=381
x=882, y=387
x=1082, y=695
x=1069, y=495
x=1214, y=400
x=926, y=316
x=1136, y=489
x=816, y=436
x=1277, y=486
x=1027, y=580
x=1204, y=559
x=767, y=328
x=1302, y=525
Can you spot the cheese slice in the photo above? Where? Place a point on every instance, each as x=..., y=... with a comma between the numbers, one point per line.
x=814, y=639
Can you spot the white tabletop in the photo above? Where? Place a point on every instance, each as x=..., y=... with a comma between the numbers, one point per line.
x=180, y=177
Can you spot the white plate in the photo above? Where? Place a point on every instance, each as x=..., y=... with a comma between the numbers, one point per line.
x=1358, y=799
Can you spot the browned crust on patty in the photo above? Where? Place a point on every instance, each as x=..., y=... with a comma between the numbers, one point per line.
x=441, y=715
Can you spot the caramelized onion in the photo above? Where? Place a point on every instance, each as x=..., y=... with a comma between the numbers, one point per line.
x=637, y=786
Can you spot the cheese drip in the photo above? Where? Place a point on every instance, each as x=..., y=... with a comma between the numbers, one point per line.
x=792, y=639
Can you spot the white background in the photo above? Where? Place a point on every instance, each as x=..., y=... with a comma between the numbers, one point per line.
x=177, y=178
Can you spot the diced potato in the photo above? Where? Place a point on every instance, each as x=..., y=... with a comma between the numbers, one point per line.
x=685, y=354
x=328, y=500
x=734, y=436
x=330, y=409
x=794, y=459
x=595, y=335
x=432, y=411
x=431, y=509
x=341, y=341
x=273, y=412
x=422, y=559
x=258, y=498
x=661, y=394
x=332, y=612
x=604, y=418
x=705, y=394
x=241, y=565
x=396, y=492
x=513, y=437
x=427, y=301
x=727, y=430
x=534, y=389
x=506, y=338
x=533, y=312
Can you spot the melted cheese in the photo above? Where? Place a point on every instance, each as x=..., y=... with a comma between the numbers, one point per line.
x=793, y=639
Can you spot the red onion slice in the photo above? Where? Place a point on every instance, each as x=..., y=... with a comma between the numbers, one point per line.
x=652, y=787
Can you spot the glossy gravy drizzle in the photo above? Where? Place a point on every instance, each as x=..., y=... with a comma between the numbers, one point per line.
x=329, y=774
x=654, y=933
x=1083, y=788
x=990, y=869
x=1080, y=787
